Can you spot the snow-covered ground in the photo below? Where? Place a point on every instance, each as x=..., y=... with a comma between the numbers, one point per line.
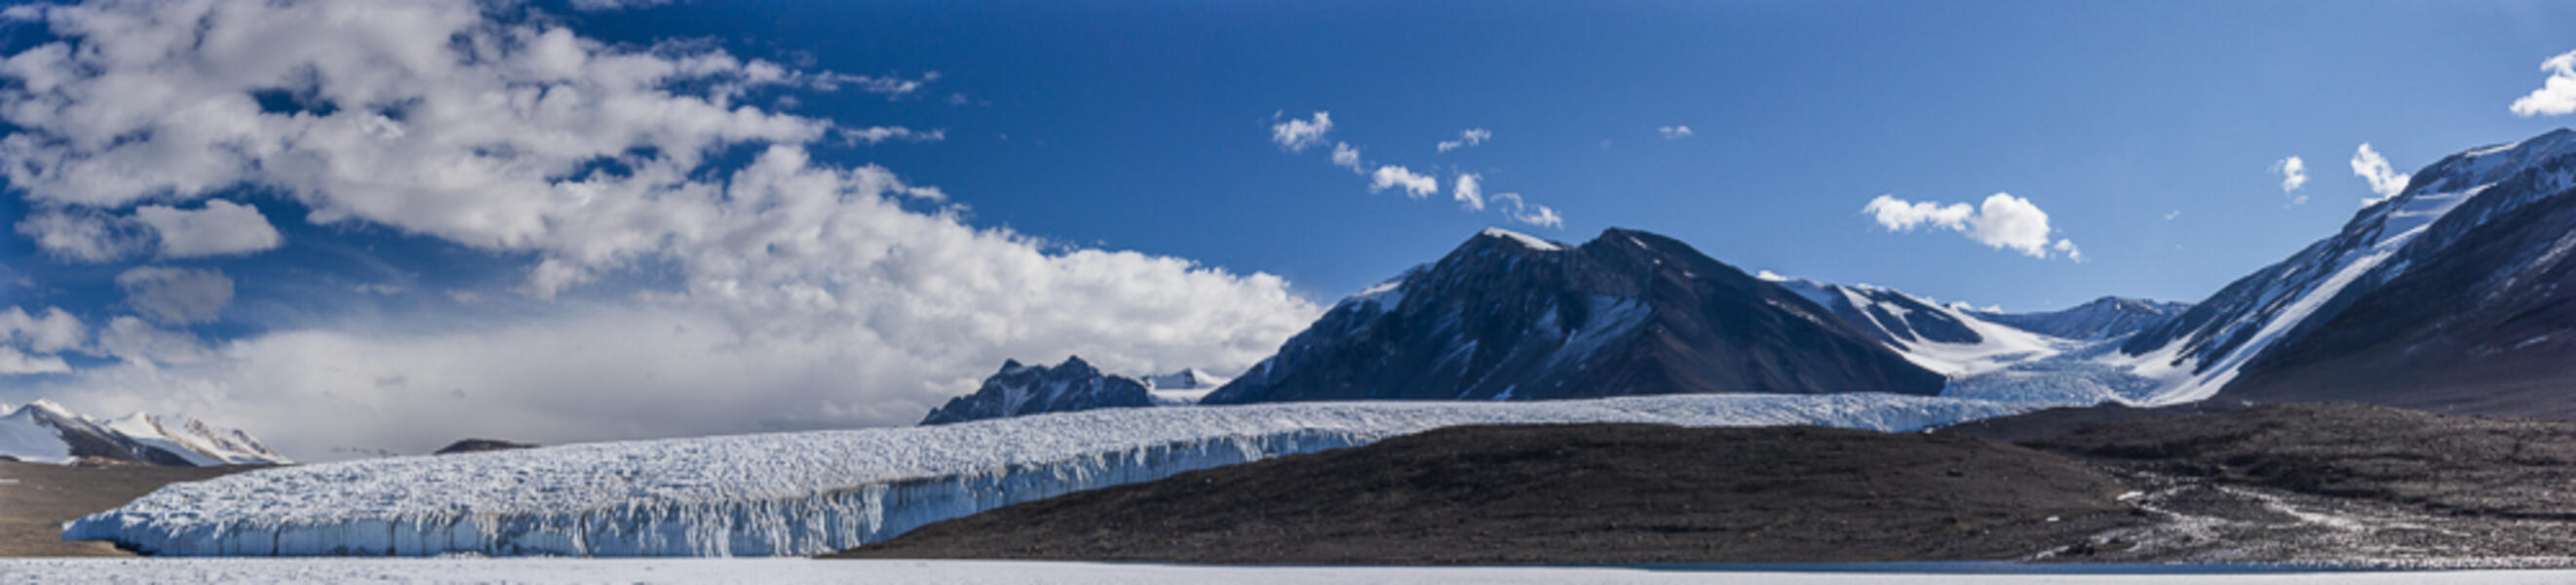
x=559, y=570
x=813, y=492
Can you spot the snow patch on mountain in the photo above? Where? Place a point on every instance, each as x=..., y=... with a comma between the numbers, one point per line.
x=45, y=432
x=812, y=492
x=2196, y=354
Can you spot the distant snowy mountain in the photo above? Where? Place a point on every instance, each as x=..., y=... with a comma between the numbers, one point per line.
x=1019, y=390
x=1507, y=316
x=44, y=432
x=1951, y=341
x=1187, y=386
x=2104, y=318
x=2196, y=354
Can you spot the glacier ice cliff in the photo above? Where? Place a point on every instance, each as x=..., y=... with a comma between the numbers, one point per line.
x=813, y=492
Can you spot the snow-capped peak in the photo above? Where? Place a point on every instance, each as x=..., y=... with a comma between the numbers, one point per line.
x=1530, y=241
x=46, y=432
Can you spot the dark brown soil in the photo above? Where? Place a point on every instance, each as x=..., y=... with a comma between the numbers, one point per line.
x=2053, y=422
x=1598, y=493
x=36, y=499
x=2457, y=465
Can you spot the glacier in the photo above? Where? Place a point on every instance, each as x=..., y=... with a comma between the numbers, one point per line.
x=813, y=492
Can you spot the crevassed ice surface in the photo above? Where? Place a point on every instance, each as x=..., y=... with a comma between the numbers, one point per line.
x=812, y=492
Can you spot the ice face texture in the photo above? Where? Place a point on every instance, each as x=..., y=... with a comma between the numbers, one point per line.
x=812, y=492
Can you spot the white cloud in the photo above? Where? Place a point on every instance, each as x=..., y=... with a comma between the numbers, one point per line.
x=2170, y=215
x=876, y=134
x=145, y=346
x=1468, y=192
x=1466, y=138
x=13, y=362
x=176, y=296
x=2384, y=179
x=1346, y=156
x=1673, y=132
x=1524, y=212
x=1899, y=215
x=808, y=292
x=609, y=5
x=2294, y=174
x=54, y=332
x=2557, y=95
x=1295, y=134
x=2002, y=221
x=84, y=235
x=221, y=228
x=1415, y=185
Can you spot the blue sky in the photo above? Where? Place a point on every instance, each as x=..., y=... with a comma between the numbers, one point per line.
x=836, y=214
x=1142, y=126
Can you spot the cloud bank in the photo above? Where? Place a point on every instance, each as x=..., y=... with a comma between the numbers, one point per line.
x=786, y=292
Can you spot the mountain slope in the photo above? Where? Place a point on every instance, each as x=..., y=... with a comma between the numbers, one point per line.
x=1019, y=390
x=44, y=432
x=2206, y=348
x=2485, y=324
x=2104, y=318
x=1942, y=339
x=1507, y=316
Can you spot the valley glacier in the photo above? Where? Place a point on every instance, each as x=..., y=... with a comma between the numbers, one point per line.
x=814, y=492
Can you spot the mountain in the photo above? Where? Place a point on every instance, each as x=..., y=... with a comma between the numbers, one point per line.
x=2485, y=208
x=45, y=432
x=1950, y=341
x=1507, y=316
x=1019, y=390
x=2476, y=316
x=2104, y=318
x=1187, y=386
x=477, y=445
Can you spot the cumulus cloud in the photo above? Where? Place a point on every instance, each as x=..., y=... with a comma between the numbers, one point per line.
x=1415, y=185
x=787, y=293
x=1346, y=156
x=611, y=5
x=1674, y=132
x=2002, y=222
x=176, y=296
x=2383, y=179
x=85, y=235
x=2294, y=174
x=1524, y=212
x=1467, y=191
x=1466, y=138
x=13, y=362
x=877, y=134
x=143, y=345
x=53, y=332
x=221, y=228
x=2557, y=95
x=1295, y=134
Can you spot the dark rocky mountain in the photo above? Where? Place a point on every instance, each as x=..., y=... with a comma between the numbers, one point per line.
x=1507, y=316
x=1019, y=390
x=1887, y=315
x=479, y=445
x=2481, y=320
x=2104, y=318
x=2479, y=198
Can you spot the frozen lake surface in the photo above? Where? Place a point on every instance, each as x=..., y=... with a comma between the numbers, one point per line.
x=789, y=570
